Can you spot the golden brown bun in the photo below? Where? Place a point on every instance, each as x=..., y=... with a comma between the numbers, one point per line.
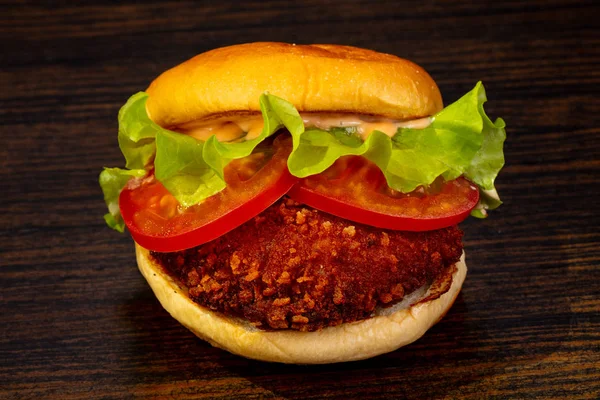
x=347, y=342
x=312, y=77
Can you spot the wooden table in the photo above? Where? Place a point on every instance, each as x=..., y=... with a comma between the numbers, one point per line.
x=78, y=320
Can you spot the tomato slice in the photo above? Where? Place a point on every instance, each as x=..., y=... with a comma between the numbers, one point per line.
x=355, y=189
x=158, y=222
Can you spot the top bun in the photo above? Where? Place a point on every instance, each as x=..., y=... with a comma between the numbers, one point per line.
x=314, y=78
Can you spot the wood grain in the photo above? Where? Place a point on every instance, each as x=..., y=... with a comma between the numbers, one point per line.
x=77, y=319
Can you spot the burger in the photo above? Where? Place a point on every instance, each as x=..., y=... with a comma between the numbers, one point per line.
x=299, y=203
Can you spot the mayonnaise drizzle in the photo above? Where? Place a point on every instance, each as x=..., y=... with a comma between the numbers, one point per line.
x=251, y=126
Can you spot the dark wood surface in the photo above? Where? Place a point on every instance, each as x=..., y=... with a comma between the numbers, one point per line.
x=77, y=320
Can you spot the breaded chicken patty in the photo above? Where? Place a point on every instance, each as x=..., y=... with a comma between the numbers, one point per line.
x=293, y=267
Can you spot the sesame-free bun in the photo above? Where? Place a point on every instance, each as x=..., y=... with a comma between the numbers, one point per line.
x=385, y=332
x=315, y=78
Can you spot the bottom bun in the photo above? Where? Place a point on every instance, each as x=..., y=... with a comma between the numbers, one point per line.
x=347, y=342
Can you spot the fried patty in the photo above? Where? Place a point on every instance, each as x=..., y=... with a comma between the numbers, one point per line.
x=293, y=267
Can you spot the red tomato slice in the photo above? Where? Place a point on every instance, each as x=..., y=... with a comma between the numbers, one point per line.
x=157, y=221
x=355, y=189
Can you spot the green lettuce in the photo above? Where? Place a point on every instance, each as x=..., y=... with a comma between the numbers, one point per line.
x=461, y=140
x=488, y=200
x=112, y=181
x=137, y=132
x=192, y=170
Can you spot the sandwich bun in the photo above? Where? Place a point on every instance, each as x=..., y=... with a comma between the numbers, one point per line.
x=388, y=330
x=314, y=78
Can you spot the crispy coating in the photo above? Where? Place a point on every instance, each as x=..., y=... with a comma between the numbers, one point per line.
x=293, y=267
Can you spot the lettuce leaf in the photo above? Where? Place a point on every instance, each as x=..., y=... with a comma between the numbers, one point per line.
x=192, y=170
x=182, y=170
x=137, y=132
x=112, y=181
x=461, y=140
x=488, y=200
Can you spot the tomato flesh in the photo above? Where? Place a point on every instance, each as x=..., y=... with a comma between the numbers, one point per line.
x=355, y=189
x=158, y=222
x=352, y=188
